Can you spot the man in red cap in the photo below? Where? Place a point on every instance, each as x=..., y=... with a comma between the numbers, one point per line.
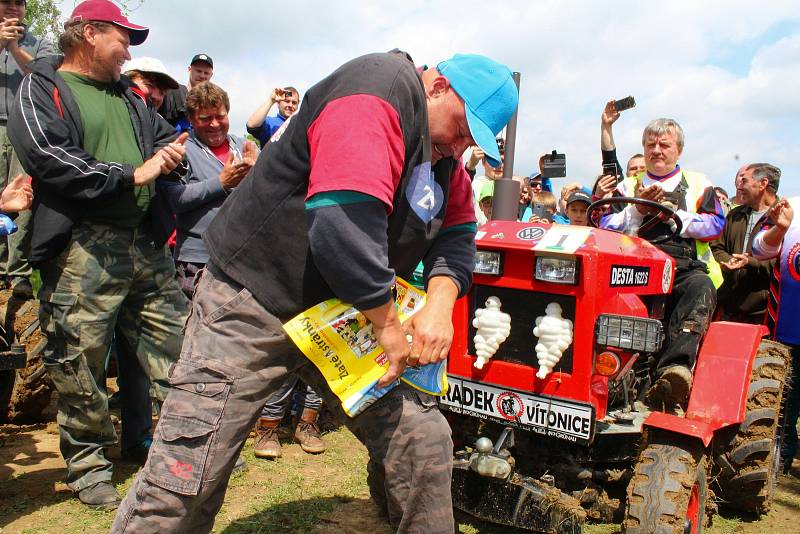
x=95, y=149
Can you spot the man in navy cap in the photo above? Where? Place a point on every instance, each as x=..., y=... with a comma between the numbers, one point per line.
x=95, y=149
x=201, y=69
x=348, y=209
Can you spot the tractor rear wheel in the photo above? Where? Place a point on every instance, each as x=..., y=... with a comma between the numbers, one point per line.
x=747, y=456
x=24, y=393
x=667, y=493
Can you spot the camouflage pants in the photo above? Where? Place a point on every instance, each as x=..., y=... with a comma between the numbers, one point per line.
x=106, y=277
x=13, y=248
x=234, y=355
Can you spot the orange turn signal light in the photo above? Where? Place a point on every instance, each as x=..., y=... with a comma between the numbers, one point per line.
x=607, y=364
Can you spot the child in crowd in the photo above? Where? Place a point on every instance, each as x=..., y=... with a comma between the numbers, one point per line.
x=543, y=214
x=577, y=205
x=485, y=198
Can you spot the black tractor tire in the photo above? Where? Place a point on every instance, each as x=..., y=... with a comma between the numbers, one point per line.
x=667, y=493
x=31, y=392
x=25, y=393
x=747, y=456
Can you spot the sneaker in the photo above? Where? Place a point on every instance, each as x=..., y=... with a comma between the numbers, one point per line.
x=21, y=288
x=267, y=444
x=671, y=389
x=307, y=433
x=100, y=496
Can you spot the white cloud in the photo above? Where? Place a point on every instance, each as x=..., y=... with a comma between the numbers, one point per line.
x=717, y=66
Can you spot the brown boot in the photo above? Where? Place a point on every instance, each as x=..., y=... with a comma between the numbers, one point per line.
x=267, y=444
x=307, y=433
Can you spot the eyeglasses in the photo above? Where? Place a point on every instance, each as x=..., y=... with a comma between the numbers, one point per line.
x=9, y=2
x=535, y=185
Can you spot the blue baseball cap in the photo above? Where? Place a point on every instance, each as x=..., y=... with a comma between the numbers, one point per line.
x=490, y=97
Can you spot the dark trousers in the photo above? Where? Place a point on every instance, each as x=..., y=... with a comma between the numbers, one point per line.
x=136, y=406
x=234, y=355
x=791, y=409
x=689, y=310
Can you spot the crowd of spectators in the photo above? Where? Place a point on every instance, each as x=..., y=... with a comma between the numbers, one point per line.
x=99, y=230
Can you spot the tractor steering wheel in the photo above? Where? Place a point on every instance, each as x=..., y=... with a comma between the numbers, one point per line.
x=664, y=214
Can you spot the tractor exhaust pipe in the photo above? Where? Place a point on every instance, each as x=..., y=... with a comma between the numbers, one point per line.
x=505, y=204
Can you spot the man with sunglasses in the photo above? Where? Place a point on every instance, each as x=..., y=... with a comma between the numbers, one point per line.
x=18, y=48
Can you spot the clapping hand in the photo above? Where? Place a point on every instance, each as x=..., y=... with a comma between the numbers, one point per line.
x=17, y=195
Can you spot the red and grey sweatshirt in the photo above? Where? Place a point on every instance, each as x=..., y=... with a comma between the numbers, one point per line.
x=347, y=198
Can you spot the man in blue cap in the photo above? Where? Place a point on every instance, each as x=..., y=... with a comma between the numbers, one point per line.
x=333, y=210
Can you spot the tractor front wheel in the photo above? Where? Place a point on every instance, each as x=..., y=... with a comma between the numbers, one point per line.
x=667, y=494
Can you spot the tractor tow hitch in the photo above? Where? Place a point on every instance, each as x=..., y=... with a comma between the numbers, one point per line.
x=485, y=486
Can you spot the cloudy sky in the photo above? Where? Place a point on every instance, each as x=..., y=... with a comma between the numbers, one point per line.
x=725, y=70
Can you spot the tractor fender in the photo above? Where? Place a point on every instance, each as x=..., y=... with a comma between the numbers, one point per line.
x=680, y=425
x=721, y=382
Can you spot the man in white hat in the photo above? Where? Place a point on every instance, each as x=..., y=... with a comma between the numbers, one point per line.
x=151, y=76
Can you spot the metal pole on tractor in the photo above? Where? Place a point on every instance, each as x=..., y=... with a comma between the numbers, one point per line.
x=506, y=191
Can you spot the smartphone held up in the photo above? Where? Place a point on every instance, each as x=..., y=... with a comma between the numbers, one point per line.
x=625, y=103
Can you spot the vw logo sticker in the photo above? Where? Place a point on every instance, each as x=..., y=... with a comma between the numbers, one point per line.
x=530, y=233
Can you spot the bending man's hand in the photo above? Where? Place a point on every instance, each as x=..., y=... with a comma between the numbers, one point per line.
x=389, y=333
x=431, y=327
x=17, y=195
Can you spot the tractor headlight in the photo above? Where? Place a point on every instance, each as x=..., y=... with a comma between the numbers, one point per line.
x=556, y=270
x=630, y=333
x=488, y=262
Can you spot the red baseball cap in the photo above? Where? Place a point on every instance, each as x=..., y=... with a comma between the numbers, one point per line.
x=107, y=11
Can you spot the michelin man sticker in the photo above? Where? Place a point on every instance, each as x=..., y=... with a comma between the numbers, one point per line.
x=666, y=278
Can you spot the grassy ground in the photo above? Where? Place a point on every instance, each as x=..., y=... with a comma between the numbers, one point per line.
x=300, y=493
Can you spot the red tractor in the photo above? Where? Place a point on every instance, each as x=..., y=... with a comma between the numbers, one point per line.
x=549, y=453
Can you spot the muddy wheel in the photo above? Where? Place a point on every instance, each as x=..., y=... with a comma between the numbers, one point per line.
x=747, y=456
x=667, y=494
x=32, y=390
x=24, y=393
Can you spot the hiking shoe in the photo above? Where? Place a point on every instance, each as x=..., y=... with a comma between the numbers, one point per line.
x=21, y=288
x=307, y=433
x=267, y=444
x=100, y=496
x=671, y=389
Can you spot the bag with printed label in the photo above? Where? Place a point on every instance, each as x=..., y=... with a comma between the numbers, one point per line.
x=338, y=340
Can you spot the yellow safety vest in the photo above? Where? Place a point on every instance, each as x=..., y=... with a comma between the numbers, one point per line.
x=697, y=184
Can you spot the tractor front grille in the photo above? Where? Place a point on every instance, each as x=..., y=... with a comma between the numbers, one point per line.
x=524, y=307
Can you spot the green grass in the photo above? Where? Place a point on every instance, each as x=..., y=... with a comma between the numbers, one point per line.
x=296, y=495
x=36, y=281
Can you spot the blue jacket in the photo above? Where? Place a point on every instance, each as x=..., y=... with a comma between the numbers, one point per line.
x=196, y=199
